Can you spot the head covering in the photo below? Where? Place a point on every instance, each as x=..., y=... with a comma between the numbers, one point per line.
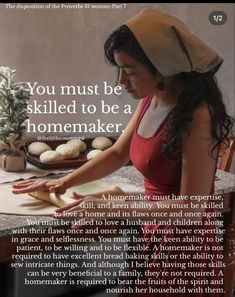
x=169, y=44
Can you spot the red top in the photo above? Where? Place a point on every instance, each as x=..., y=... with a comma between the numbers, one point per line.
x=162, y=176
x=146, y=155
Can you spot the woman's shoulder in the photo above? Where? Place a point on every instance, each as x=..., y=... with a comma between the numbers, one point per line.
x=200, y=125
x=198, y=131
x=202, y=113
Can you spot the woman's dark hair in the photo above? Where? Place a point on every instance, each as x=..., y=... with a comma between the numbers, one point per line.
x=123, y=40
x=199, y=88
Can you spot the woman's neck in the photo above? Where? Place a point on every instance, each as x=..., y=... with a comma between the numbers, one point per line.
x=168, y=97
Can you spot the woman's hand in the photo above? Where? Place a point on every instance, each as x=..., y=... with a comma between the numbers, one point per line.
x=31, y=185
x=87, y=208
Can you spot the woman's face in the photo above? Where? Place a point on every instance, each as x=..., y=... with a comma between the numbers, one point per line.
x=135, y=77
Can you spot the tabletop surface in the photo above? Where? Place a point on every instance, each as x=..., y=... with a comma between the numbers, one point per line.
x=127, y=178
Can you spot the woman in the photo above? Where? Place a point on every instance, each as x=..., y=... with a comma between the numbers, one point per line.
x=173, y=140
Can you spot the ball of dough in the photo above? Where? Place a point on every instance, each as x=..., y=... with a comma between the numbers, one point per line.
x=101, y=143
x=50, y=157
x=37, y=148
x=68, y=151
x=92, y=154
x=78, y=143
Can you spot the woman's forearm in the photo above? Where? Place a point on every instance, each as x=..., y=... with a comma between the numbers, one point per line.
x=102, y=165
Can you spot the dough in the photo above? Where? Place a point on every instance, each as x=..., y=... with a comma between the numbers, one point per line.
x=26, y=204
x=68, y=151
x=50, y=157
x=52, y=198
x=92, y=154
x=101, y=143
x=37, y=148
x=81, y=145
